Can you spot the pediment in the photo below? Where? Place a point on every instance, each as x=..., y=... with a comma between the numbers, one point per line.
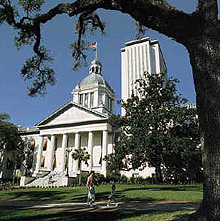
x=71, y=113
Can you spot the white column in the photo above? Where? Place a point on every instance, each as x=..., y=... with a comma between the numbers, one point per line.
x=148, y=57
x=77, y=143
x=104, y=150
x=90, y=149
x=157, y=59
x=89, y=95
x=134, y=60
x=39, y=155
x=63, y=151
x=50, y=153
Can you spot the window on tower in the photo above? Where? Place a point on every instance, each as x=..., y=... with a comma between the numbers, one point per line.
x=81, y=99
x=92, y=99
x=111, y=105
x=86, y=99
x=97, y=70
x=107, y=103
x=101, y=99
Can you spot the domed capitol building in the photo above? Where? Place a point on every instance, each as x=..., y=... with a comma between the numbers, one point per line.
x=83, y=122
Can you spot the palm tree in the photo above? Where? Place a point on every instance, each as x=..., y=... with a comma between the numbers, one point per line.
x=81, y=155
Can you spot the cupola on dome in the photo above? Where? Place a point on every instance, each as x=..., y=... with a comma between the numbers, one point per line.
x=95, y=75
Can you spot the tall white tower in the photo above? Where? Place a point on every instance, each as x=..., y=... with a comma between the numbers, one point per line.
x=139, y=57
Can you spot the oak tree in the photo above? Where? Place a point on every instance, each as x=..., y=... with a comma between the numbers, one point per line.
x=157, y=130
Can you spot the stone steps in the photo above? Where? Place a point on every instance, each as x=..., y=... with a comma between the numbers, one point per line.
x=47, y=179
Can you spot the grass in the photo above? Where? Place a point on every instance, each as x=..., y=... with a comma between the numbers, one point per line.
x=37, y=215
x=144, y=193
x=124, y=193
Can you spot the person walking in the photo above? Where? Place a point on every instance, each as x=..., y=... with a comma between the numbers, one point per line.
x=112, y=195
x=90, y=185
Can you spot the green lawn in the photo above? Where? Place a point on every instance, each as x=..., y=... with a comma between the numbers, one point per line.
x=38, y=215
x=124, y=193
x=145, y=193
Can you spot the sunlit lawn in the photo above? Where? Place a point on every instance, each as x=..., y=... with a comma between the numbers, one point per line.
x=124, y=193
x=145, y=193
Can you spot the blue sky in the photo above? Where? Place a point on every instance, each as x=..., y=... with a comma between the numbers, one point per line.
x=57, y=35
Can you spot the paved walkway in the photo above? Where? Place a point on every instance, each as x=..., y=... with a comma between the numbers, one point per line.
x=99, y=206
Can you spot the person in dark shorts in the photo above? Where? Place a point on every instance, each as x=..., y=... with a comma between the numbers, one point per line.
x=112, y=195
x=91, y=195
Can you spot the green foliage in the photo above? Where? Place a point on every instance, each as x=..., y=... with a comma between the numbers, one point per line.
x=4, y=116
x=27, y=24
x=24, y=37
x=11, y=143
x=81, y=155
x=36, y=68
x=158, y=130
x=7, y=12
x=30, y=6
x=88, y=22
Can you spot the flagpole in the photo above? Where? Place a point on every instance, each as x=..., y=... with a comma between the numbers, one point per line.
x=96, y=51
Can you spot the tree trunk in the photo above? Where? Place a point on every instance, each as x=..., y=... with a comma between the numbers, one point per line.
x=158, y=171
x=204, y=55
x=80, y=173
x=80, y=177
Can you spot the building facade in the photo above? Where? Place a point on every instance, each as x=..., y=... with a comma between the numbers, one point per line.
x=139, y=57
x=82, y=122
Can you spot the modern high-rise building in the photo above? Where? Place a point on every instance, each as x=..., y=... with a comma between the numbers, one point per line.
x=139, y=57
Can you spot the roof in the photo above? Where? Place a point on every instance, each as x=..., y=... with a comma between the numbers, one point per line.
x=66, y=107
x=94, y=79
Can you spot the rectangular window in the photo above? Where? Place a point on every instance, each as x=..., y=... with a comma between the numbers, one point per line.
x=92, y=99
x=107, y=101
x=86, y=99
x=100, y=99
x=81, y=99
x=111, y=105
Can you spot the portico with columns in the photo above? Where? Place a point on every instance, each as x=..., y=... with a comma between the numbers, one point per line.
x=57, y=154
x=82, y=122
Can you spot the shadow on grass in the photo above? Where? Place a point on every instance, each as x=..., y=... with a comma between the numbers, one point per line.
x=106, y=215
x=183, y=217
x=80, y=195
x=162, y=188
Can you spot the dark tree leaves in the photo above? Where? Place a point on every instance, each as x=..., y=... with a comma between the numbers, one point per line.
x=156, y=128
x=11, y=143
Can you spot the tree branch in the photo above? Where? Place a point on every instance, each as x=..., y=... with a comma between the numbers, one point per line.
x=158, y=15
x=155, y=14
